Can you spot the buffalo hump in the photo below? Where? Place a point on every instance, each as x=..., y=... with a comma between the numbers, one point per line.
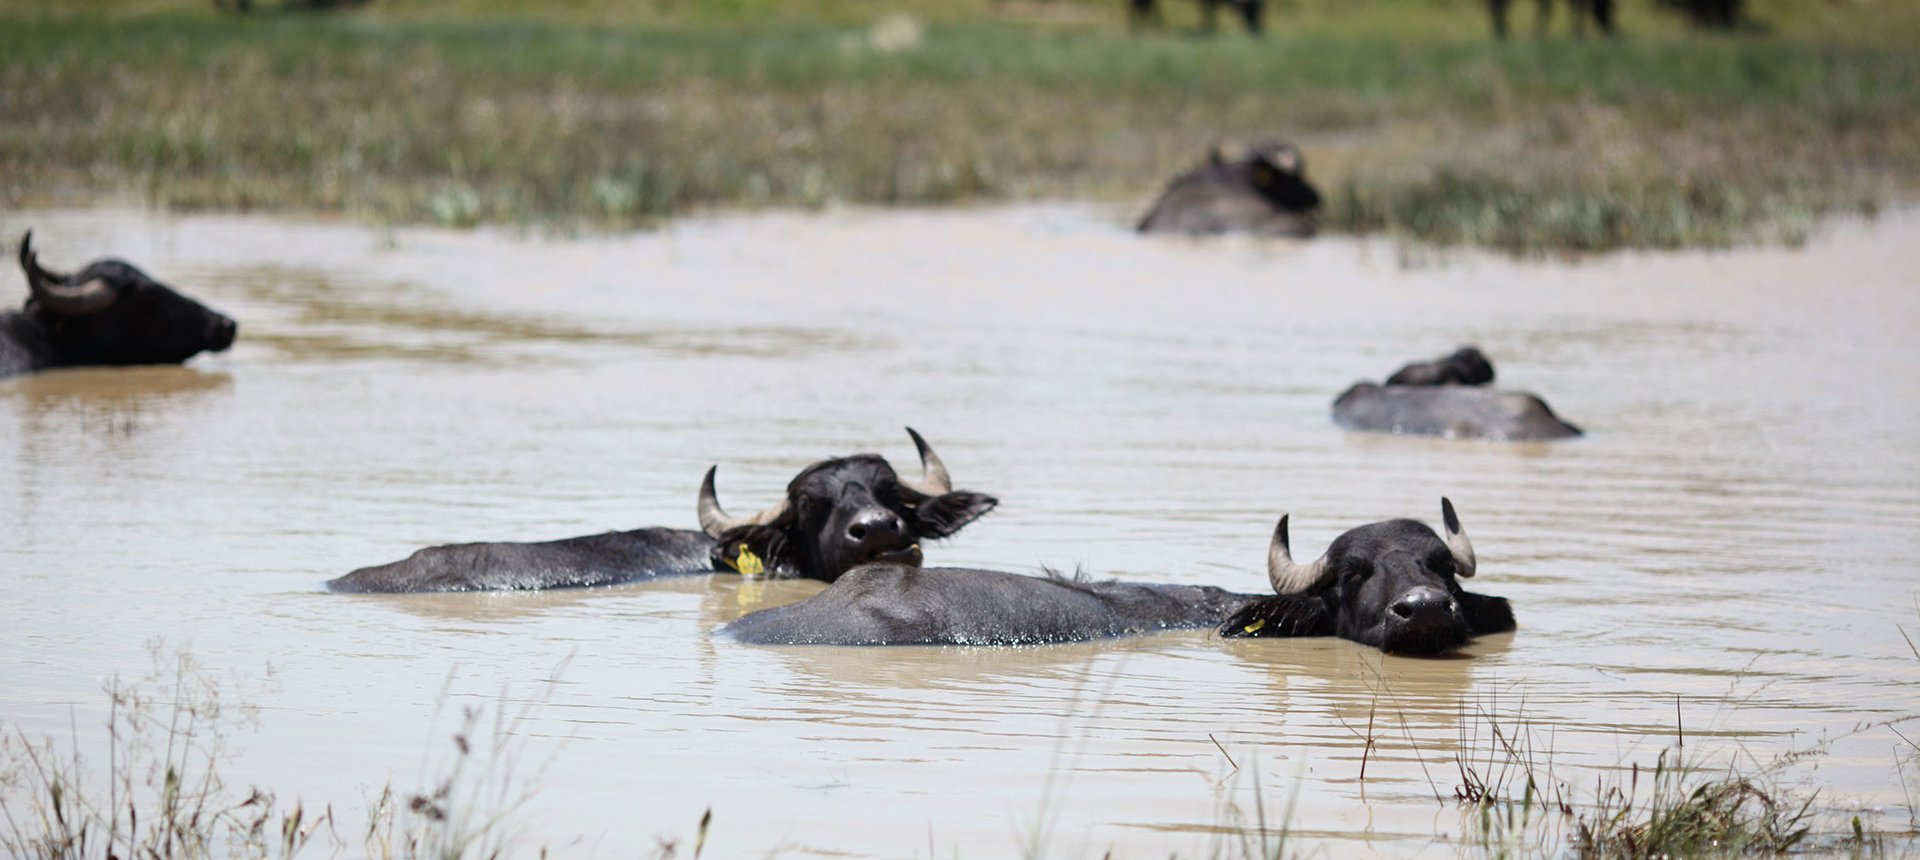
x=1451, y=411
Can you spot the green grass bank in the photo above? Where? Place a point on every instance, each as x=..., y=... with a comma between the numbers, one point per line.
x=599, y=114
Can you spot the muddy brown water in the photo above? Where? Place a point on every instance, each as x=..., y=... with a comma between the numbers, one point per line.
x=1731, y=552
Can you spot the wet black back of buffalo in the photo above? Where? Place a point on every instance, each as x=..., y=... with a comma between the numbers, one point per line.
x=884, y=604
x=578, y=562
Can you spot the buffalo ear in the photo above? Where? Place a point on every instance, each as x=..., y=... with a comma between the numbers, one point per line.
x=1486, y=614
x=752, y=551
x=1287, y=189
x=941, y=516
x=1281, y=615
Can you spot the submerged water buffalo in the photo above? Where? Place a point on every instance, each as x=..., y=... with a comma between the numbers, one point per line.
x=1394, y=585
x=1449, y=397
x=1264, y=193
x=108, y=313
x=836, y=514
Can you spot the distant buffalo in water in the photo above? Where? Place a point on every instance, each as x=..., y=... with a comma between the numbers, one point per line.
x=1264, y=192
x=1449, y=397
x=1143, y=12
x=108, y=313
x=1394, y=585
x=837, y=514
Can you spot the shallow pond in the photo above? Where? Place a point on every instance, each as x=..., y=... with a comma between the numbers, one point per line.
x=1730, y=554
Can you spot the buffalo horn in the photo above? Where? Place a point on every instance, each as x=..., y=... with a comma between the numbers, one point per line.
x=934, y=480
x=1457, y=543
x=53, y=291
x=714, y=520
x=1286, y=576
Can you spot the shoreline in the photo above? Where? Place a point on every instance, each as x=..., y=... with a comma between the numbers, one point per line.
x=1432, y=137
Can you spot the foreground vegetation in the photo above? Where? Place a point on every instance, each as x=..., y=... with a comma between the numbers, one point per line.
x=592, y=113
x=160, y=793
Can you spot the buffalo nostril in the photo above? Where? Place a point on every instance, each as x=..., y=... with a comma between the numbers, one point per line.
x=221, y=333
x=1402, y=608
x=857, y=531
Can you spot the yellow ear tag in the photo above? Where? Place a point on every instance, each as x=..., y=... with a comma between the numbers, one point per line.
x=748, y=564
x=1255, y=627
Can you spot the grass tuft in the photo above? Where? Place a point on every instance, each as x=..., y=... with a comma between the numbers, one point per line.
x=162, y=794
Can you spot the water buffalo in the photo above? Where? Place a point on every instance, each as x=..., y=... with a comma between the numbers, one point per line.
x=837, y=514
x=1394, y=585
x=1449, y=397
x=1143, y=12
x=1264, y=193
x=1600, y=10
x=108, y=313
x=1710, y=14
x=898, y=604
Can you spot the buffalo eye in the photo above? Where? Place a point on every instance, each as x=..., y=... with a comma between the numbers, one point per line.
x=887, y=492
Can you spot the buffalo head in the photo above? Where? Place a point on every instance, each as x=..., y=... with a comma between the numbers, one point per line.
x=1278, y=171
x=112, y=313
x=1394, y=585
x=1466, y=366
x=842, y=513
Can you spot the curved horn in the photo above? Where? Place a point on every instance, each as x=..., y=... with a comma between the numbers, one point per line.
x=1286, y=576
x=53, y=291
x=934, y=480
x=714, y=520
x=1457, y=543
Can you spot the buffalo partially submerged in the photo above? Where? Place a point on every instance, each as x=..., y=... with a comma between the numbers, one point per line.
x=1449, y=397
x=837, y=514
x=1264, y=193
x=108, y=313
x=896, y=604
x=1394, y=585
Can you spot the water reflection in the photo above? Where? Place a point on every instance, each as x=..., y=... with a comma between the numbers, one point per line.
x=322, y=315
x=500, y=610
x=119, y=413
x=109, y=400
